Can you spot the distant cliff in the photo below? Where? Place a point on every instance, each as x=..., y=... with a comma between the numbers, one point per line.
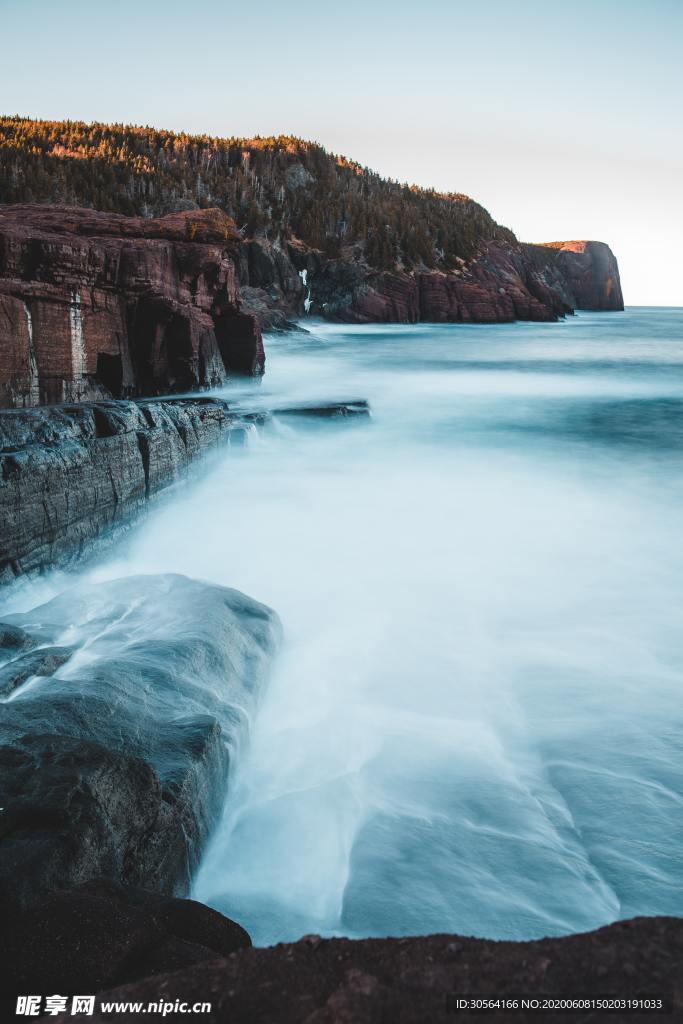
x=502, y=282
x=139, y=262
x=588, y=270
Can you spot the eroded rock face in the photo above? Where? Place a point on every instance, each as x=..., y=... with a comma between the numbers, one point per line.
x=72, y=477
x=116, y=765
x=592, y=275
x=100, y=305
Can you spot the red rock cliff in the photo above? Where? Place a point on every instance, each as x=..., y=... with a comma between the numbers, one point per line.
x=504, y=281
x=96, y=304
x=587, y=269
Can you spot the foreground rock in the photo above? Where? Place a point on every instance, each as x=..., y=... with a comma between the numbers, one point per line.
x=411, y=981
x=100, y=305
x=102, y=934
x=130, y=945
x=71, y=474
x=117, y=764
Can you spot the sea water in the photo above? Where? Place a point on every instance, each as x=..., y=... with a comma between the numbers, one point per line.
x=476, y=722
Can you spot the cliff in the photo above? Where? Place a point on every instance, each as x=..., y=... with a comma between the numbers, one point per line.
x=99, y=305
x=499, y=284
x=502, y=282
x=223, y=237
x=587, y=270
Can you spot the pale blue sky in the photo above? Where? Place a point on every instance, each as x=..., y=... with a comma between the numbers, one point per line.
x=563, y=119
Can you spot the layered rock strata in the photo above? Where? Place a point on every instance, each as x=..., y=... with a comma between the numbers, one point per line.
x=100, y=305
x=504, y=282
x=72, y=474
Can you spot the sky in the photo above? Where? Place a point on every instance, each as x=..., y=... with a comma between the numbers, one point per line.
x=563, y=119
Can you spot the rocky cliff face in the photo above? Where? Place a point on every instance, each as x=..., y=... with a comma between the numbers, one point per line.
x=72, y=475
x=504, y=282
x=100, y=305
x=591, y=274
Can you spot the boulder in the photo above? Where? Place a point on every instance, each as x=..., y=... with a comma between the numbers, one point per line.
x=117, y=764
x=43, y=662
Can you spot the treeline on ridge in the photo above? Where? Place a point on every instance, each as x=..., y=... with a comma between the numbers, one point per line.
x=281, y=188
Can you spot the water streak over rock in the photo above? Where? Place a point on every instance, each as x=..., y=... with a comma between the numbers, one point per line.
x=116, y=765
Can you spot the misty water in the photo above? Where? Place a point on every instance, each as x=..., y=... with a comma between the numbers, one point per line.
x=475, y=724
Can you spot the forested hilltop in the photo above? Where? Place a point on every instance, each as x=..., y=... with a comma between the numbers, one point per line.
x=279, y=188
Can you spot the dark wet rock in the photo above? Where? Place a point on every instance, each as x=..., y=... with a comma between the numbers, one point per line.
x=266, y=307
x=118, y=767
x=72, y=474
x=43, y=662
x=331, y=410
x=73, y=810
x=102, y=934
x=13, y=639
x=413, y=980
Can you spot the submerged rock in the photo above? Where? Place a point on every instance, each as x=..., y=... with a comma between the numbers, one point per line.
x=13, y=639
x=117, y=765
x=43, y=662
x=328, y=410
